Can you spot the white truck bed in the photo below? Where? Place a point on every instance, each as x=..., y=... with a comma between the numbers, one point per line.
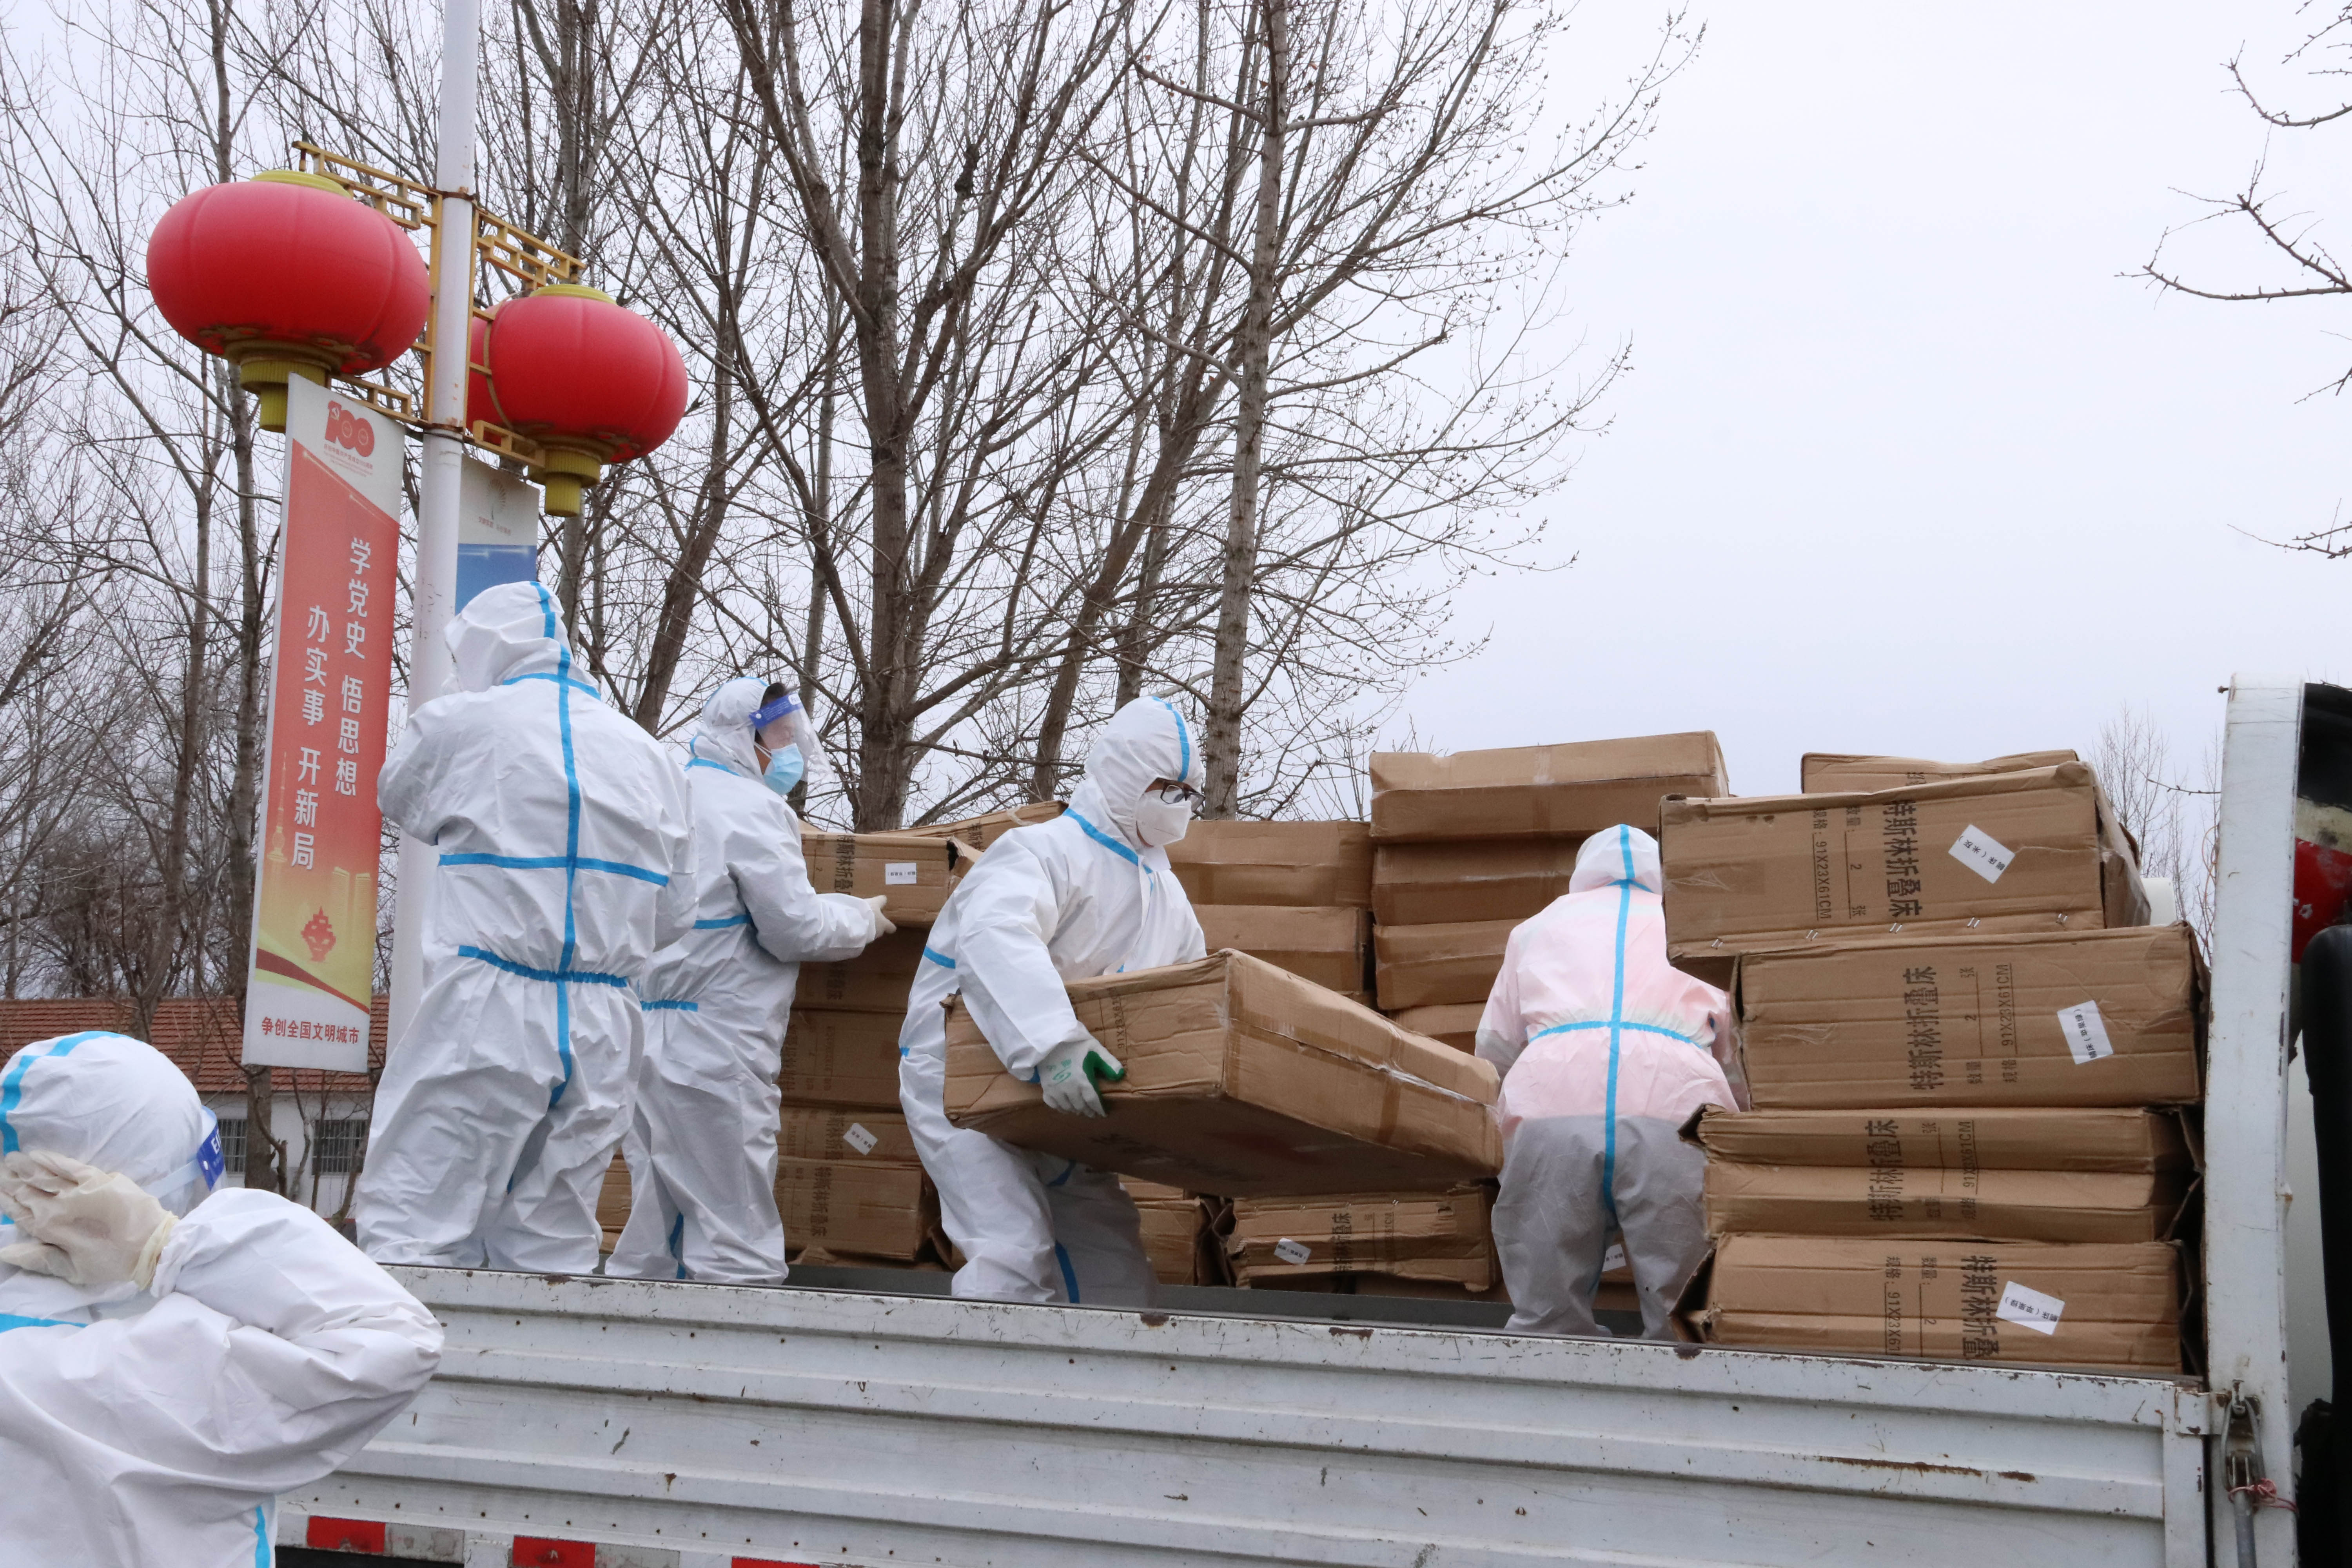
x=584, y=1422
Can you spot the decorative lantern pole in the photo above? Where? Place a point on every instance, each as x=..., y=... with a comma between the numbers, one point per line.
x=439, y=496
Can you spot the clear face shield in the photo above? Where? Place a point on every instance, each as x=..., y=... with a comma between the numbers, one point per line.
x=191, y=1184
x=783, y=727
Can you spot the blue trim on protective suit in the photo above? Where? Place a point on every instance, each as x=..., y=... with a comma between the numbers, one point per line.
x=564, y=680
x=263, y=1555
x=1183, y=742
x=13, y=1091
x=1616, y=1039
x=670, y=1006
x=11, y=1320
x=1070, y=1275
x=551, y=976
x=742, y=920
x=677, y=1242
x=941, y=959
x=1620, y=1024
x=556, y=862
x=714, y=767
x=1105, y=839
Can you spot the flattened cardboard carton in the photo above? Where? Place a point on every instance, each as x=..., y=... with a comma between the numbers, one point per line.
x=1889, y=1198
x=876, y=1210
x=1294, y=864
x=1440, y=1238
x=1453, y=1023
x=2095, y=1017
x=612, y=1197
x=2090, y=1304
x=1332, y=947
x=1172, y=1223
x=915, y=871
x=1434, y=966
x=1242, y=1079
x=1977, y=1138
x=876, y=981
x=1830, y=773
x=832, y=1133
x=847, y=1060
x=980, y=832
x=1520, y=792
x=2036, y=852
x=1482, y=880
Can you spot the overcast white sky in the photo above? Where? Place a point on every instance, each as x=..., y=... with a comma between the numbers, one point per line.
x=1904, y=465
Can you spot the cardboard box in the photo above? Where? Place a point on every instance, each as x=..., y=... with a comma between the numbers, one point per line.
x=1332, y=947
x=2117, y=1304
x=915, y=871
x=2095, y=1017
x=1980, y=1138
x=858, y=1206
x=1827, y=772
x=981, y=831
x=1531, y=791
x=832, y=1133
x=845, y=1060
x=1173, y=1221
x=2034, y=851
x=1432, y=966
x=613, y=1198
x=1481, y=880
x=1242, y=1079
x=876, y=981
x=1309, y=864
x=1437, y=1237
x=1891, y=1198
x=1454, y=1024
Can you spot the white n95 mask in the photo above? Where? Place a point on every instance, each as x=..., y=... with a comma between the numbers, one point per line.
x=1161, y=822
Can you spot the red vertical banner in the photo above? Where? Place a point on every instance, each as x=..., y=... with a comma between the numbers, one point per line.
x=313, y=962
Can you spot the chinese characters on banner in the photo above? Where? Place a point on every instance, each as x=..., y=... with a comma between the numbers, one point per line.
x=313, y=965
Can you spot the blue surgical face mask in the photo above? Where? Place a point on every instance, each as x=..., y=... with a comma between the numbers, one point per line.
x=786, y=767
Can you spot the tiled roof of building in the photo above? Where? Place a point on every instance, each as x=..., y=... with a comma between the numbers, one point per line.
x=202, y=1034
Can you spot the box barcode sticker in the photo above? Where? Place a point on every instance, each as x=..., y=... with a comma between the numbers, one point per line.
x=1614, y=1259
x=1291, y=1251
x=898, y=873
x=2028, y=1307
x=859, y=1139
x=1983, y=853
x=2087, y=1036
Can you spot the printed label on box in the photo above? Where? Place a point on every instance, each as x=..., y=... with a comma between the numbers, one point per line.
x=1983, y=853
x=898, y=873
x=1614, y=1259
x=2028, y=1307
x=2086, y=1037
x=859, y=1139
x=1291, y=1252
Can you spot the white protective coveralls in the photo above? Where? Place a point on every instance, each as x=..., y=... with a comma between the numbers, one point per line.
x=567, y=860
x=154, y=1429
x=702, y=1136
x=1066, y=900
x=1605, y=1049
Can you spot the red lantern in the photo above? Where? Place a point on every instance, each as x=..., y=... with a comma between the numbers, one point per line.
x=283, y=275
x=587, y=381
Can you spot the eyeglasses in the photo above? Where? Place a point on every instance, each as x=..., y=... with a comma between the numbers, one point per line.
x=1176, y=795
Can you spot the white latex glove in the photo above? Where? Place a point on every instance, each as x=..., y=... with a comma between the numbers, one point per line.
x=1068, y=1074
x=88, y=1227
x=882, y=926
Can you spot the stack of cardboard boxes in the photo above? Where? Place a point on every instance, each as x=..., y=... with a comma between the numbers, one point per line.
x=1468, y=846
x=1970, y=1060
x=848, y=1178
x=1368, y=1243
x=1297, y=894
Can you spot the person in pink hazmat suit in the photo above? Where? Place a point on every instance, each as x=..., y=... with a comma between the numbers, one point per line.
x=1605, y=1049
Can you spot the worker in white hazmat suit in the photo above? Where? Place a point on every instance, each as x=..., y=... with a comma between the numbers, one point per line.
x=703, y=1141
x=566, y=861
x=1088, y=893
x=170, y=1361
x=1605, y=1049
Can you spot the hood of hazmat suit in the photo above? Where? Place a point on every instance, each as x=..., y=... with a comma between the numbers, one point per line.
x=702, y=1140
x=264, y=1354
x=565, y=860
x=1067, y=900
x=1604, y=1047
